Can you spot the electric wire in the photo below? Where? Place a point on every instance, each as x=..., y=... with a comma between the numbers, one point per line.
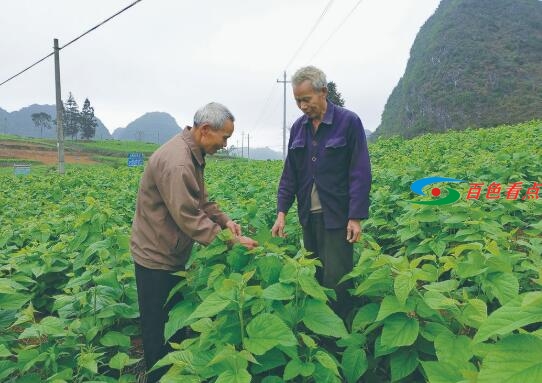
x=72, y=41
x=310, y=32
x=341, y=24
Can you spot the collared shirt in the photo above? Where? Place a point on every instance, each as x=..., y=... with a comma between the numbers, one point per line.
x=336, y=159
x=172, y=209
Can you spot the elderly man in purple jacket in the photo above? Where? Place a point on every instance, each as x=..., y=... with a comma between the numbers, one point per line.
x=328, y=170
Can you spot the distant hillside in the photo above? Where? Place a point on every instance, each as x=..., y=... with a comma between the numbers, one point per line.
x=473, y=63
x=20, y=123
x=257, y=153
x=156, y=127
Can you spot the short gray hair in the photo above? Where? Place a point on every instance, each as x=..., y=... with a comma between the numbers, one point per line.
x=316, y=77
x=214, y=114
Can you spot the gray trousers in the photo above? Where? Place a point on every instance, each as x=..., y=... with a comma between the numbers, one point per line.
x=337, y=257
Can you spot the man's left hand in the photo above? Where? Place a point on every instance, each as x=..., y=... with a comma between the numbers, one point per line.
x=353, y=230
x=234, y=228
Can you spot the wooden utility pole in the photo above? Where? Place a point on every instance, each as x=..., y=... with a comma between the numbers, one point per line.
x=284, y=82
x=59, y=111
x=242, y=144
x=248, y=146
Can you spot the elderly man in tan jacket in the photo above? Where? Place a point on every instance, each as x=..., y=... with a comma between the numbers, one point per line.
x=173, y=212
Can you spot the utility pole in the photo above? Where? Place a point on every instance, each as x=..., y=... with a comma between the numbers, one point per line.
x=284, y=82
x=59, y=111
x=248, y=146
x=242, y=144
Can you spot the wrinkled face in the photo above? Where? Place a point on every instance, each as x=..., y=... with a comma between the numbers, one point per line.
x=311, y=102
x=214, y=140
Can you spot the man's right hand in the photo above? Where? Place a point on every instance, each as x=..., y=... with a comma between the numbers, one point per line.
x=249, y=243
x=278, y=227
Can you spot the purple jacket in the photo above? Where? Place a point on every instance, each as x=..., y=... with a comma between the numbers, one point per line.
x=336, y=159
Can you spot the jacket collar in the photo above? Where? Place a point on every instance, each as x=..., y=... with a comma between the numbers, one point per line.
x=194, y=148
x=328, y=115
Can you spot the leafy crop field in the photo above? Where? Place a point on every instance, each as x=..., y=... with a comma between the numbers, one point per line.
x=446, y=293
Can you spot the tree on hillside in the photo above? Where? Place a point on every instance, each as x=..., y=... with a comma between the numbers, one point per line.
x=87, y=121
x=333, y=95
x=72, y=117
x=42, y=120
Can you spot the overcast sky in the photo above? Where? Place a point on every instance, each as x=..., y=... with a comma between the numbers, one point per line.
x=174, y=56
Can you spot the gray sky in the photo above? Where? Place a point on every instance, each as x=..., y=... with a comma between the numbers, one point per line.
x=174, y=56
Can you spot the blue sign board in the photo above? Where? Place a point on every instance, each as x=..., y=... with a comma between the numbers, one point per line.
x=21, y=169
x=135, y=159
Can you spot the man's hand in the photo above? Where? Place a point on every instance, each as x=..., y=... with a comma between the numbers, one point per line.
x=234, y=228
x=353, y=230
x=249, y=243
x=278, y=227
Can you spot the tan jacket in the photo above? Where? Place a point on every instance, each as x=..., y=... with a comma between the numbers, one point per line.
x=172, y=209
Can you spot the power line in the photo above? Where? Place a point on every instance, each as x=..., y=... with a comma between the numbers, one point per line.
x=336, y=29
x=24, y=70
x=310, y=33
x=102, y=23
x=72, y=41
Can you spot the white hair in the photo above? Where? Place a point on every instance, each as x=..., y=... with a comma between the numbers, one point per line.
x=214, y=114
x=316, y=77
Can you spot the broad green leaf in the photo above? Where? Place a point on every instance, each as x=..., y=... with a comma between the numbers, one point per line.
x=354, y=363
x=311, y=287
x=268, y=361
x=308, y=341
x=512, y=316
x=442, y=372
x=442, y=287
x=454, y=349
x=115, y=338
x=288, y=273
x=515, y=359
x=212, y=305
x=52, y=326
x=403, y=285
x=13, y=301
x=474, y=313
x=229, y=376
x=89, y=361
x=399, y=330
x=8, y=286
x=121, y=360
x=430, y=330
x=4, y=351
x=318, y=317
x=438, y=247
x=504, y=286
x=457, y=250
x=381, y=277
x=296, y=367
x=390, y=305
x=366, y=315
x=327, y=362
x=178, y=318
x=267, y=331
x=279, y=291
x=438, y=301
x=403, y=363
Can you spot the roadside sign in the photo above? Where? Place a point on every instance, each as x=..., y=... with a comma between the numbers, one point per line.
x=21, y=169
x=135, y=159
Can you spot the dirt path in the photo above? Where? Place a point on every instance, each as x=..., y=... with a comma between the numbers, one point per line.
x=31, y=152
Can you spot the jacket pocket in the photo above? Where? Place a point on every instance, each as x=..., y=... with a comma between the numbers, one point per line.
x=336, y=143
x=298, y=144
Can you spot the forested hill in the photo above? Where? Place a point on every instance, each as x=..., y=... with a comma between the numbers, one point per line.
x=474, y=63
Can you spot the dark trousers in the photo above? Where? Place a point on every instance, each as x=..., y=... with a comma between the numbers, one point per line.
x=337, y=257
x=153, y=287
